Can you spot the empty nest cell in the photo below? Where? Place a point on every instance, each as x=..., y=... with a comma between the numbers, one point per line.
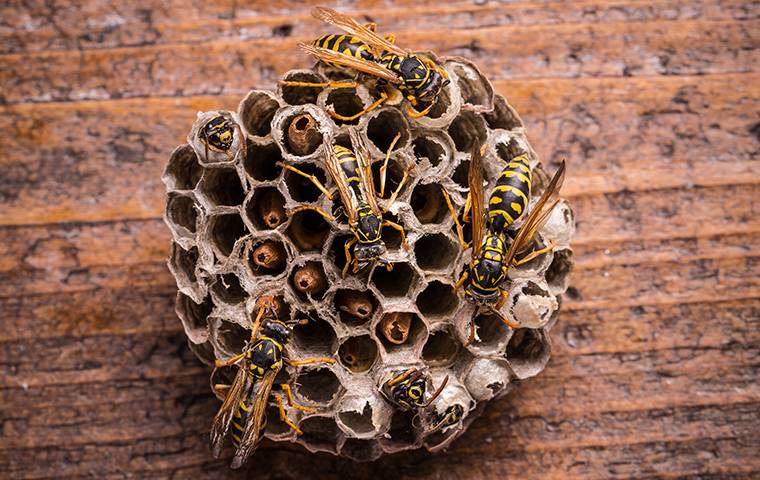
x=267, y=258
x=393, y=176
x=337, y=251
x=275, y=426
x=320, y=434
x=319, y=386
x=394, y=283
x=360, y=450
x=183, y=170
x=228, y=290
x=383, y=128
x=231, y=337
x=431, y=147
x=491, y=331
x=438, y=300
x=225, y=231
x=468, y=130
x=429, y=204
x=528, y=352
x=390, y=236
x=194, y=316
x=309, y=280
x=301, y=188
x=222, y=187
x=435, y=252
x=297, y=95
x=402, y=430
x=358, y=353
x=256, y=112
x=266, y=209
x=502, y=116
x=398, y=330
x=261, y=161
x=182, y=211
x=315, y=337
x=559, y=270
x=461, y=173
x=360, y=423
x=308, y=230
x=184, y=262
x=345, y=102
x=441, y=348
x=476, y=91
x=354, y=307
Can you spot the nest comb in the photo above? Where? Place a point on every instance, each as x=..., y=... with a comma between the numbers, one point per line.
x=233, y=242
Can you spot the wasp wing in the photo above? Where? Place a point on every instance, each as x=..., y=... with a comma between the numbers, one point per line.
x=475, y=181
x=348, y=61
x=348, y=24
x=365, y=170
x=222, y=420
x=255, y=420
x=336, y=173
x=538, y=215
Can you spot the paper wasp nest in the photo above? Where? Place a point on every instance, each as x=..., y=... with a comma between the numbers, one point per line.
x=233, y=242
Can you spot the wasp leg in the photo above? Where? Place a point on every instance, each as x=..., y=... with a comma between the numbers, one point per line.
x=460, y=231
x=289, y=83
x=371, y=26
x=309, y=361
x=462, y=279
x=377, y=103
x=497, y=310
x=502, y=299
x=391, y=38
x=401, y=377
x=415, y=114
x=400, y=229
x=535, y=254
x=384, y=168
x=284, y=416
x=389, y=266
x=467, y=207
x=313, y=208
x=347, y=249
x=286, y=388
x=230, y=361
x=312, y=178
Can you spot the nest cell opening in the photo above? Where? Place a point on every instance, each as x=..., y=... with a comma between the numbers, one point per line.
x=559, y=269
x=195, y=314
x=320, y=433
x=384, y=127
x=337, y=251
x=395, y=283
x=437, y=300
x=507, y=151
x=354, y=307
x=225, y=231
x=308, y=230
x=442, y=104
x=222, y=187
x=267, y=258
x=184, y=170
x=345, y=102
x=527, y=350
x=266, y=209
x=184, y=261
x=318, y=386
x=393, y=175
x=360, y=450
x=390, y=236
x=275, y=426
x=181, y=211
x=228, y=289
x=260, y=161
x=461, y=173
x=317, y=337
x=502, y=115
x=429, y=204
x=394, y=334
x=435, y=252
x=294, y=95
x=402, y=431
x=490, y=330
x=256, y=113
x=358, y=422
x=472, y=86
x=468, y=130
x=231, y=337
x=301, y=188
x=441, y=348
x=358, y=354
x=309, y=280
x=429, y=147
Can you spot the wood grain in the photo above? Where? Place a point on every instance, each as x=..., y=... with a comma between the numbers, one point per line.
x=655, y=105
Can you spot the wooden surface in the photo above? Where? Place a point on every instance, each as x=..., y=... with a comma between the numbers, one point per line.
x=654, y=104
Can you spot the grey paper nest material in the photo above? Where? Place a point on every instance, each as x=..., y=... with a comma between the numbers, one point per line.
x=233, y=242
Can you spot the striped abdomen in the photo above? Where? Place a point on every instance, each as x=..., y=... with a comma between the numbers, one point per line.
x=350, y=167
x=509, y=198
x=239, y=421
x=345, y=44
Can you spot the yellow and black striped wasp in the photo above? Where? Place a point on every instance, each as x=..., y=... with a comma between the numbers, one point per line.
x=417, y=77
x=352, y=174
x=405, y=389
x=218, y=135
x=246, y=399
x=491, y=260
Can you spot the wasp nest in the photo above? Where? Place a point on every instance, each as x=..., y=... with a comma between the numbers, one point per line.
x=233, y=241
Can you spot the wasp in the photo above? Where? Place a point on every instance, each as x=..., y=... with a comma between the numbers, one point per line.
x=218, y=135
x=491, y=259
x=352, y=174
x=246, y=399
x=414, y=75
x=406, y=389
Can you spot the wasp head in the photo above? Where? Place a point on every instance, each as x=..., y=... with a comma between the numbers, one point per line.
x=277, y=330
x=219, y=133
x=409, y=393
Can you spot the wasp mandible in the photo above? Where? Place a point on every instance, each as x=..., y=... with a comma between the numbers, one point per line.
x=416, y=76
x=246, y=399
x=491, y=260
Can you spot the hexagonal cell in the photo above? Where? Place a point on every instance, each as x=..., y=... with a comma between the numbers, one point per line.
x=309, y=280
x=358, y=354
x=260, y=161
x=300, y=132
x=390, y=236
x=429, y=204
x=256, y=112
x=183, y=170
x=441, y=348
x=502, y=115
x=490, y=330
x=354, y=307
x=320, y=434
x=531, y=304
x=358, y=422
x=395, y=283
x=558, y=273
x=345, y=102
x=432, y=147
x=438, y=300
x=308, y=230
x=183, y=262
x=301, y=188
x=225, y=231
x=461, y=173
x=182, y=212
x=319, y=386
x=393, y=176
x=435, y=252
x=507, y=150
x=266, y=208
x=467, y=130
x=401, y=432
x=315, y=338
x=397, y=330
x=204, y=351
x=486, y=378
x=295, y=95
x=228, y=290
x=222, y=187
x=194, y=316
x=383, y=127
x=528, y=352
x=230, y=337
x=360, y=450
x=476, y=91
x=267, y=257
